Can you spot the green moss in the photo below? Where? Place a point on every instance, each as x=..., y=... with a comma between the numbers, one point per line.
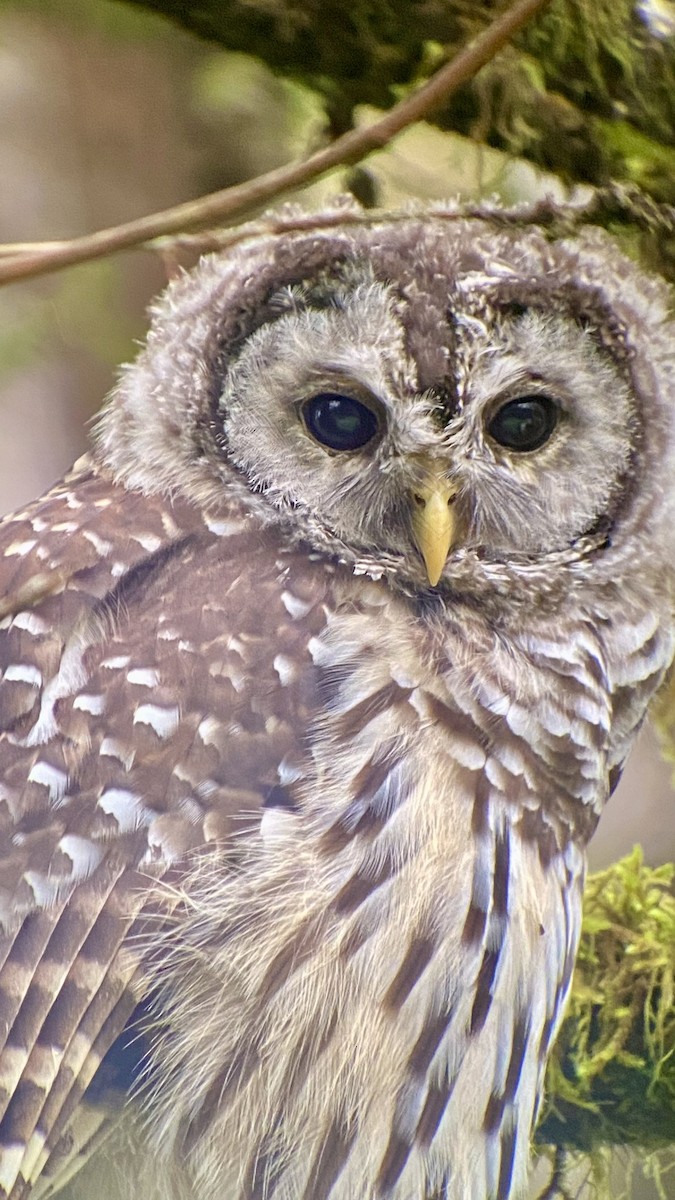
x=641, y=159
x=611, y=1078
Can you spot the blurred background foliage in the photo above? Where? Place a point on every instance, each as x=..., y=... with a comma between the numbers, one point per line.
x=111, y=111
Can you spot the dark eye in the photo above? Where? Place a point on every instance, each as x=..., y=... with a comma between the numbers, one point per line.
x=339, y=422
x=524, y=424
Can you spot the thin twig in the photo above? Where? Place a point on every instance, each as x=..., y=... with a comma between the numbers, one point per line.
x=234, y=202
x=560, y=219
x=555, y=1186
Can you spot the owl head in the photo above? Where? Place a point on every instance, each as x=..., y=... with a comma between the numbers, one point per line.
x=460, y=404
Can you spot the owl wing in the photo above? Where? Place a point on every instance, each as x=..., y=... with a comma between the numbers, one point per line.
x=155, y=686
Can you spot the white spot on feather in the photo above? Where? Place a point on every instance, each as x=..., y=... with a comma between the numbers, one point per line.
x=126, y=807
x=84, y=854
x=144, y=676
x=116, y=663
x=286, y=669
x=23, y=673
x=101, y=545
x=295, y=607
x=20, y=548
x=169, y=525
x=208, y=730
x=164, y=721
x=149, y=541
x=52, y=778
x=288, y=772
x=224, y=528
x=94, y=704
x=320, y=654
x=46, y=890
x=367, y=568
x=72, y=500
x=31, y=623
x=114, y=748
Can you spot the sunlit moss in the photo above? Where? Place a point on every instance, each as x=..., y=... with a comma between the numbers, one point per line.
x=611, y=1078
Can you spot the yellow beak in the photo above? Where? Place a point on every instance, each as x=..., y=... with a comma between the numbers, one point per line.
x=434, y=523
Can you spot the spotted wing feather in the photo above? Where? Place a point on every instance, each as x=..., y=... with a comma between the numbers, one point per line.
x=143, y=714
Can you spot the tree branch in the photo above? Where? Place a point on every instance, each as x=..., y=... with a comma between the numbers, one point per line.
x=231, y=203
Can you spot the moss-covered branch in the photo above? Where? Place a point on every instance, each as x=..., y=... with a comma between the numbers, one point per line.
x=587, y=90
x=234, y=202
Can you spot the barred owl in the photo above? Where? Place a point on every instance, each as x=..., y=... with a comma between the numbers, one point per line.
x=316, y=675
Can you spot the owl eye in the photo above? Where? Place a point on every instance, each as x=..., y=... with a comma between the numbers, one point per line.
x=339, y=422
x=524, y=424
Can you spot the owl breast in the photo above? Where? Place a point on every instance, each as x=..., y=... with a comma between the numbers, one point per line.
x=428, y=873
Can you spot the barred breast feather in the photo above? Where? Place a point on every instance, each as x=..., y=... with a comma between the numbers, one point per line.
x=399, y=952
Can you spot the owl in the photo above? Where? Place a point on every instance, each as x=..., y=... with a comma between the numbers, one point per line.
x=316, y=675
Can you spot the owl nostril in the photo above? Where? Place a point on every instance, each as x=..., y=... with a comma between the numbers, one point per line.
x=422, y=501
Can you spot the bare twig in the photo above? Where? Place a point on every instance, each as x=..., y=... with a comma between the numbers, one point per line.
x=40, y=257
x=555, y=1186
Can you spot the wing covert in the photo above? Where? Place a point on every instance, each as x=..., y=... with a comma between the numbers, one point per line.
x=156, y=685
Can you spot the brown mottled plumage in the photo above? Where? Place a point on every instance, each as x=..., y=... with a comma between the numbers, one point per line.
x=316, y=675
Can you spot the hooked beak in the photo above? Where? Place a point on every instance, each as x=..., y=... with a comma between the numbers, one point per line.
x=434, y=523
